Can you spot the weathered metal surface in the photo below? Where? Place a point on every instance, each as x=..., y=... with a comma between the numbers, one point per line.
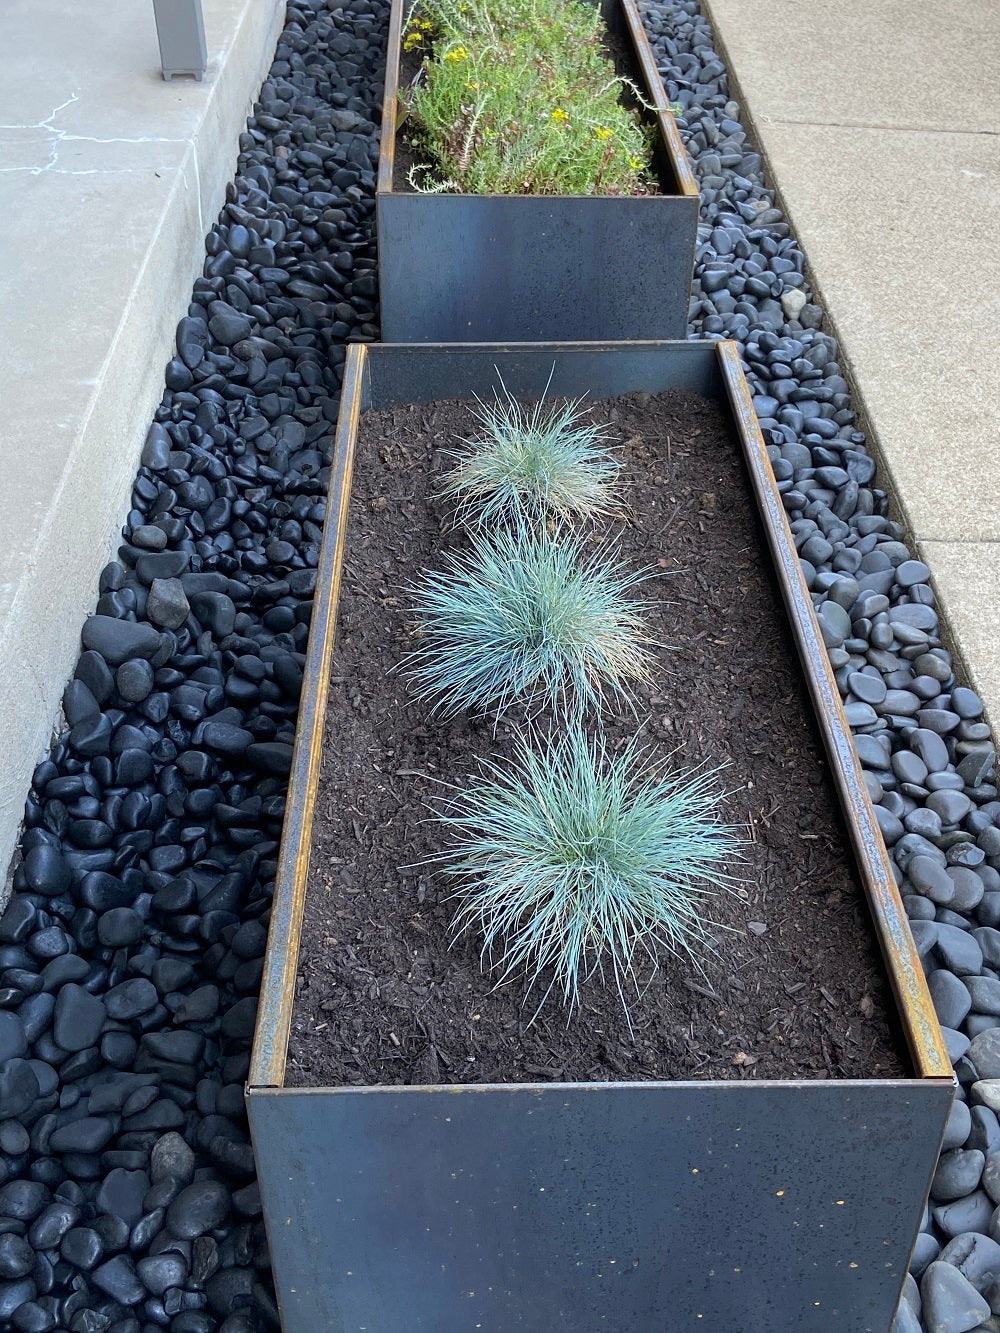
x=458, y=267
x=390, y=101
x=497, y=268
x=627, y=19
x=715, y=1207
x=274, y=1013
x=722, y=1205
x=414, y=373
x=906, y=975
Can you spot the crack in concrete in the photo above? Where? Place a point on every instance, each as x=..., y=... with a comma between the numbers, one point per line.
x=59, y=137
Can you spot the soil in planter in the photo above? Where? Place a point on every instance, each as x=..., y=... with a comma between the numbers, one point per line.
x=795, y=989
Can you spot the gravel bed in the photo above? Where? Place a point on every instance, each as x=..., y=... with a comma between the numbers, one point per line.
x=929, y=760
x=132, y=950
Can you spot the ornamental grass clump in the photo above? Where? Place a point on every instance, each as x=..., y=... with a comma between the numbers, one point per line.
x=576, y=862
x=530, y=462
x=525, y=615
x=519, y=97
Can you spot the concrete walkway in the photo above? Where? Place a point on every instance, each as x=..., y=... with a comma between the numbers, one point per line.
x=109, y=179
x=881, y=129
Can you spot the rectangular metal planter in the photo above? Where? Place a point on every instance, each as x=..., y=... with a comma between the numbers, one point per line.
x=728, y=1207
x=496, y=268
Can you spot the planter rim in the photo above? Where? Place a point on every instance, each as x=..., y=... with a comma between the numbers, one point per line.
x=908, y=984
x=560, y=1088
x=653, y=90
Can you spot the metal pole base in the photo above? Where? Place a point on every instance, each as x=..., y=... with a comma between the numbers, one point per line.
x=180, y=30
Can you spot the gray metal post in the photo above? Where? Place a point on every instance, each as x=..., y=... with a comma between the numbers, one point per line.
x=180, y=30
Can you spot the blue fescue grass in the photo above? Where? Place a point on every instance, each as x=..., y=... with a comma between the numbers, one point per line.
x=530, y=462
x=576, y=862
x=525, y=615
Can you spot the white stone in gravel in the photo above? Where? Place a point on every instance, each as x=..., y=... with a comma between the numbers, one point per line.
x=792, y=302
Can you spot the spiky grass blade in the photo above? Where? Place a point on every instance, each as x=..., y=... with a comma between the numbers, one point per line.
x=530, y=462
x=530, y=616
x=576, y=862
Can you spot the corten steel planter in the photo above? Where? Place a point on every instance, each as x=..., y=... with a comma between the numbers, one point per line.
x=744, y=1207
x=496, y=268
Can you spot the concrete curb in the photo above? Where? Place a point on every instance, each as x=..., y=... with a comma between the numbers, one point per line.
x=73, y=442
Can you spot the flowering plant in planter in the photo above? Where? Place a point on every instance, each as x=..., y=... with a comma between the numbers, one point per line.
x=521, y=97
x=533, y=156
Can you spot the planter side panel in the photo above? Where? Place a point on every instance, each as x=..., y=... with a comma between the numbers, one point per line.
x=755, y=1207
x=460, y=268
x=413, y=373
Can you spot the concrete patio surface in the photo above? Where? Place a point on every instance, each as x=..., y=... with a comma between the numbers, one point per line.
x=881, y=130
x=109, y=179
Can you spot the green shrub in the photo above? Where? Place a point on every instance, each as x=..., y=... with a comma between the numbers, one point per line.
x=530, y=462
x=519, y=97
x=576, y=862
x=526, y=615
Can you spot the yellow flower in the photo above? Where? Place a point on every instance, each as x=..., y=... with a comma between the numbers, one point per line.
x=603, y=132
x=559, y=114
x=412, y=40
x=471, y=83
x=456, y=53
x=635, y=163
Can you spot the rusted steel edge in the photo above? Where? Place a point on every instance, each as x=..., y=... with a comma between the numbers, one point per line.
x=920, y=1022
x=387, y=137
x=277, y=989
x=669, y=133
x=736, y=1086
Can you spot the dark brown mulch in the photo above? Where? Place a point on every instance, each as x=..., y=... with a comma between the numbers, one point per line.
x=795, y=989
